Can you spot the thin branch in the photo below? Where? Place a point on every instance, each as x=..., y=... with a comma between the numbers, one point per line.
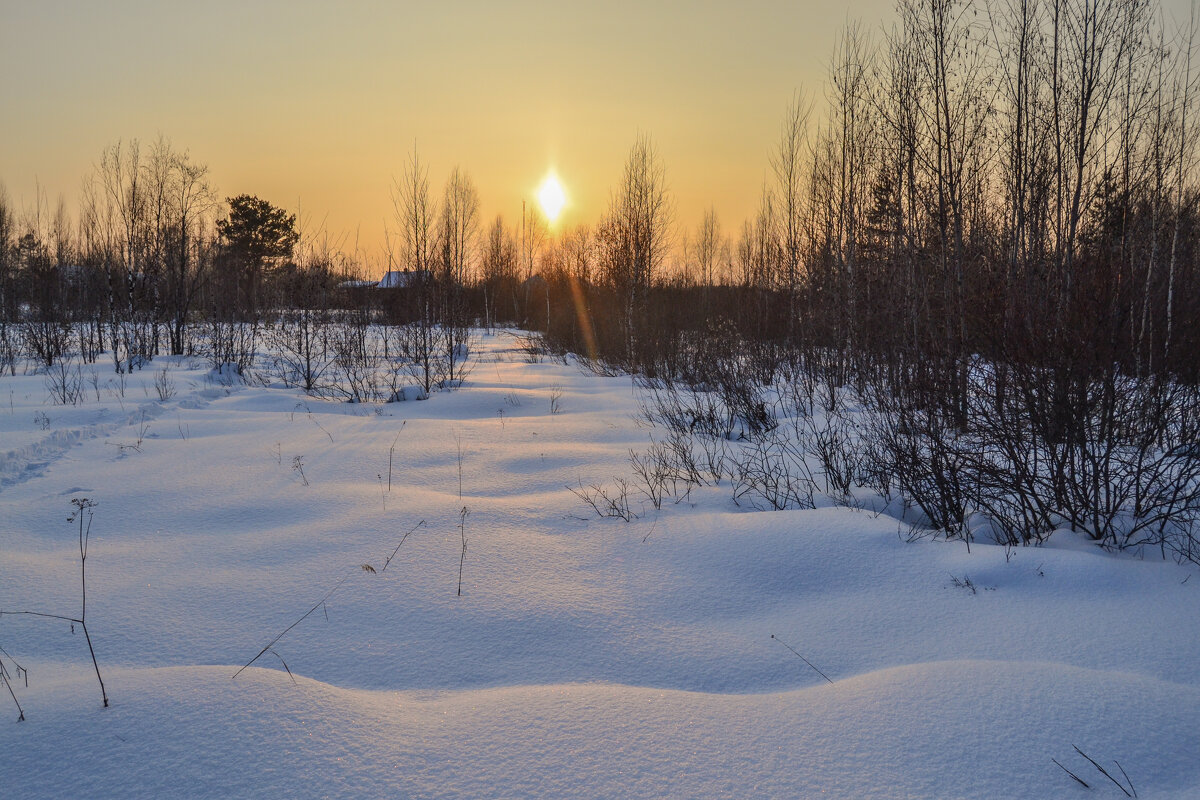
x=1127, y=779
x=462, y=530
x=305, y=616
x=388, y=560
x=802, y=658
x=1081, y=781
x=40, y=614
x=92, y=650
x=8, y=685
x=275, y=653
x=392, y=453
x=1103, y=771
x=320, y=604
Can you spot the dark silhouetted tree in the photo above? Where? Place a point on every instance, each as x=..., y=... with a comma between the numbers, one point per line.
x=255, y=235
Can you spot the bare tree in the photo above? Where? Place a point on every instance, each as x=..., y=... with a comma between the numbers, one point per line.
x=533, y=237
x=121, y=178
x=459, y=226
x=639, y=233
x=8, y=276
x=498, y=264
x=787, y=163
x=179, y=202
x=413, y=212
x=709, y=248
x=578, y=252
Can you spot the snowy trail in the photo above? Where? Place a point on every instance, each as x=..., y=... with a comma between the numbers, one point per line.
x=587, y=657
x=31, y=460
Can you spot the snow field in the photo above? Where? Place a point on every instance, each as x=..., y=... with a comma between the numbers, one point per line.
x=587, y=657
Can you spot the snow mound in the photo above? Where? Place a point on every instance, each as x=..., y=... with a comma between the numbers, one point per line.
x=945, y=729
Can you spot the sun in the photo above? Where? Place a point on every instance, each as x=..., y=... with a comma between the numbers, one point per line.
x=551, y=197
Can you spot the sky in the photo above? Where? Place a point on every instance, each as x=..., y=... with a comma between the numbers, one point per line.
x=316, y=106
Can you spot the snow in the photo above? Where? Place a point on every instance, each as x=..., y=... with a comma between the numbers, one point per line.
x=586, y=657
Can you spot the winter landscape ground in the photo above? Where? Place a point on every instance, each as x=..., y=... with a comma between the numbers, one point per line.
x=585, y=657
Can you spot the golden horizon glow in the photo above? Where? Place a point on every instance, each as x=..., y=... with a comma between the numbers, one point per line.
x=552, y=197
x=523, y=86
x=520, y=86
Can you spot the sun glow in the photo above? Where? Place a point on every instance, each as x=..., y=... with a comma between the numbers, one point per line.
x=551, y=197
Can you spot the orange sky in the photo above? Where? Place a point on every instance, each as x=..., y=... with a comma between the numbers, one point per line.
x=318, y=104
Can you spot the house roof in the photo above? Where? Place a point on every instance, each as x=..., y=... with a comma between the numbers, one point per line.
x=401, y=279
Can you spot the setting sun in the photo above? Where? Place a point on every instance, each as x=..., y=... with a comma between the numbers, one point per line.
x=551, y=197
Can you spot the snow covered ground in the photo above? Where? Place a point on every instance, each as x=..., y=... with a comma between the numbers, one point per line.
x=586, y=657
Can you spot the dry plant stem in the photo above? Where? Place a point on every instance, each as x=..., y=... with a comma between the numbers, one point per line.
x=285, y=666
x=136, y=446
x=83, y=508
x=7, y=685
x=311, y=418
x=1127, y=779
x=1106, y=774
x=86, y=635
x=388, y=560
x=20, y=670
x=322, y=427
x=270, y=647
x=462, y=532
x=392, y=453
x=7, y=679
x=802, y=658
x=1078, y=779
x=298, y=468
x=283, y=633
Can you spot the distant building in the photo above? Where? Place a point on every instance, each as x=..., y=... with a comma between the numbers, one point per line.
x=403, y=279
x=393, y=279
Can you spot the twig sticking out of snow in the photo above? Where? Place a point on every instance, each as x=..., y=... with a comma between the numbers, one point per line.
x=462, y=530
x=1078, y=779
x=802, y=658
x=392, y=453
x=388, y=560
x=270, y=648
x=281, y=634
x=6, y=679
x=1128, y=792
x=1106, y=774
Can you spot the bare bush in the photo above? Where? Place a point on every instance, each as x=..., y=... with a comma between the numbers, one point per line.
x=64, y=382
x=772, y=468
x=925, y=457
x=653, y=470
x=607, y=502
x=231, y=342
x=832, y=438
x=46, y=340
x=422, y=348
x=532, y=347
x=357, y=354
x=164, y=386
x=300, y=349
